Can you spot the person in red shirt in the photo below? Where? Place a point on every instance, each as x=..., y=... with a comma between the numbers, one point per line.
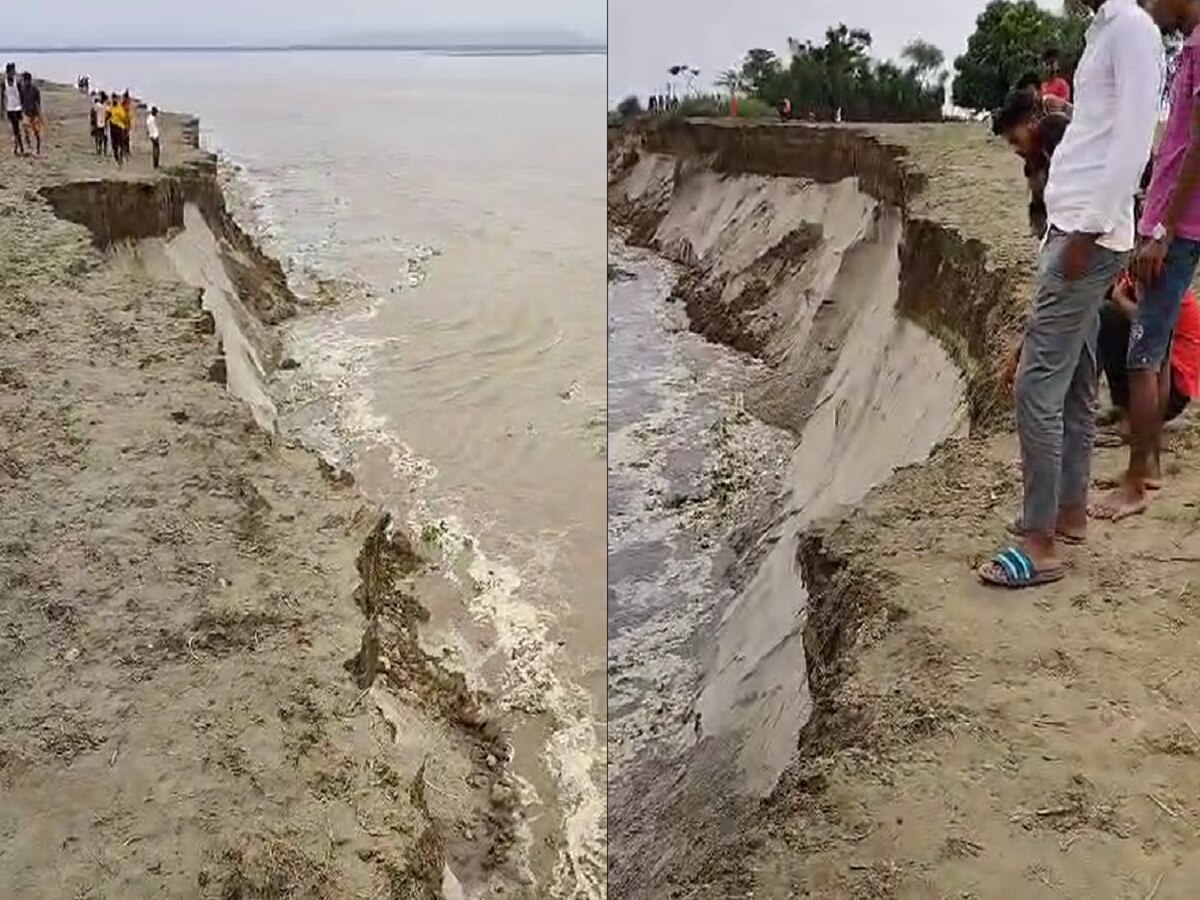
x=1183, y=374
x=1055, y=89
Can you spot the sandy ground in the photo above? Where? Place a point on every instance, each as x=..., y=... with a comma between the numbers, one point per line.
x=988, y=744
x=210, y=680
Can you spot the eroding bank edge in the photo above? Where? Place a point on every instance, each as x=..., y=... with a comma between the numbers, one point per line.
x=948, y=287
x=122, y=212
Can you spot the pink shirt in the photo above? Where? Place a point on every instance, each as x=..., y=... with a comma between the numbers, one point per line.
x=1168, y=161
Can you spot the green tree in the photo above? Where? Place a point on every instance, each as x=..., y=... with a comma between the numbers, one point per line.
x=926, y=60
x=1009, y=39
x=840, y=74
x=758, y=68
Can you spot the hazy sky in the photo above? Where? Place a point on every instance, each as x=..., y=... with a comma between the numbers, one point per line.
x=645, y=37
x=199, y=21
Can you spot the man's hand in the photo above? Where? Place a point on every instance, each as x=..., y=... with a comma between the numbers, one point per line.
x=1148, y=264
x=1076, y=255
x=1123, y=300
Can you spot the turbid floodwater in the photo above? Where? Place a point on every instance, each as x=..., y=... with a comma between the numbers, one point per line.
x=448, y=210
x=688, y=466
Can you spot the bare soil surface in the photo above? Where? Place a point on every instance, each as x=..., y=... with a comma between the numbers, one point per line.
x=990, y=744
x=210, y=679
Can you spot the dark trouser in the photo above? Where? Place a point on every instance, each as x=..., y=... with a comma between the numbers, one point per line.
x=118, y=142
x=155, y=150
x=14, y=119
x=1114, y=348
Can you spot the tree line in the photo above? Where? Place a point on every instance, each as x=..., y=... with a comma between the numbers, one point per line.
x=839, y=77
x=840, y=73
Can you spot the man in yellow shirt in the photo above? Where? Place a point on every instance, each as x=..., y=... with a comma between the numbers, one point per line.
x=118, y=123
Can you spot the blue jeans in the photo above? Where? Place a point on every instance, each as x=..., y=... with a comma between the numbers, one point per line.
x=1158, y=308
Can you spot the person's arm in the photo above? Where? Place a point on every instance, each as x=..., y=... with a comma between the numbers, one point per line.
x=1036, y=178
x=1052, y=103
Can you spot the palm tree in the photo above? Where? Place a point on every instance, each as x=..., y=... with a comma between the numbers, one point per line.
x=730, y=80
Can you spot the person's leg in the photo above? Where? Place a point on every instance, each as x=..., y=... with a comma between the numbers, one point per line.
x=1149, y=342
x=1079, y=432
x=37, y=134
x=1177, y=400
x=1062, y=325
x=155, y=150
x=1163, y=390
x=1112, y=345
x=14, y=120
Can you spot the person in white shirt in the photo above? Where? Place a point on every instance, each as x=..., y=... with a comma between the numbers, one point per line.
x=14, y=107
x=100, y=123
x=1089, y=207
x=153, y=133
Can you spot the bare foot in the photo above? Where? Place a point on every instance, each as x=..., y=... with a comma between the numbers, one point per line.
x=1127, y=499
x=1108, y=483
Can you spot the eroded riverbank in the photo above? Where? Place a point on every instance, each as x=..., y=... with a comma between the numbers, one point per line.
x=214, y=673
x=809, y=250
x=936, y=738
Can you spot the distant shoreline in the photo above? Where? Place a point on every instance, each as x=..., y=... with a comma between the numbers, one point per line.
x=449, y=49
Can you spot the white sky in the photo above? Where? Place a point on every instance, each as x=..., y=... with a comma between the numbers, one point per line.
x=645, y=37
x=60, y=22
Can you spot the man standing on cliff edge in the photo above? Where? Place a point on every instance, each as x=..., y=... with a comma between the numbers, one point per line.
x=1089, y=208
x=1165, y=266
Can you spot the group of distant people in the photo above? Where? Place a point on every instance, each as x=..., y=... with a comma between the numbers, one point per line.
x=23, y=109
x=112, y=119
x=662, y=103
x=1120, y=247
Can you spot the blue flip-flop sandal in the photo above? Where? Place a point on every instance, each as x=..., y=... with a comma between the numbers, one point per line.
x=1012, y=568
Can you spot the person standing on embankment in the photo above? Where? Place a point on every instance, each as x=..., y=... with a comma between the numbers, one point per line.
x=13, y=107
x=100, y=123
x=1089, y=207
x=1165, y=266
x=118, y=123
x=153, y=133
x=31, y=111
x=1055, y=90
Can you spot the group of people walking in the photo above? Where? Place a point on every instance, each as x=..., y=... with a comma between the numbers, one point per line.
x=112, y=119
x=23, y=107
x=1120, y=247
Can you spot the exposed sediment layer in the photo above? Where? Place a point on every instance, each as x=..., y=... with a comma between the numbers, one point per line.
x=883, y=326
x=210, y=665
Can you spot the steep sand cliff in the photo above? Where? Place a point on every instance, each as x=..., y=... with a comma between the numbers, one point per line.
x=871, y=723
x=211, y=673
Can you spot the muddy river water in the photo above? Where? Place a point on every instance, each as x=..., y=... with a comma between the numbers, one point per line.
x=687, y=467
